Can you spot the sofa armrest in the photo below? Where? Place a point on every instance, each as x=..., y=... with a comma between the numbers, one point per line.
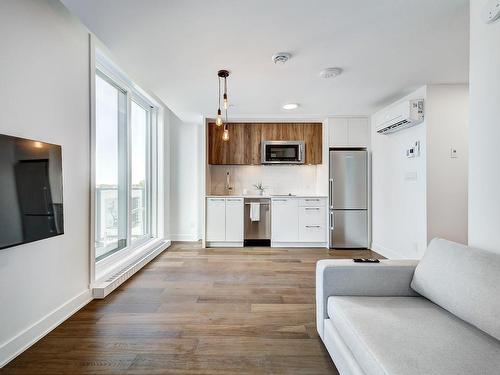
x=343, y=277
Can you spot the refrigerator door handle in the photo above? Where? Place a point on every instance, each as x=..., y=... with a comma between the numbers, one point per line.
x=332, y=220
x=330, y=186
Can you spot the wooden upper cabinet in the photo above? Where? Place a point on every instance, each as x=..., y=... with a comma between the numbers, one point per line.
x=313, y=136
x=244, y=145
x=217, y=148
x=252, y=139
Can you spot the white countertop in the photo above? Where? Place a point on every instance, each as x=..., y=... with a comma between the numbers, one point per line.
x=267, y=196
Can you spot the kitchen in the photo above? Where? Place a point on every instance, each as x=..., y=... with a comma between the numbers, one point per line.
x=270, y=184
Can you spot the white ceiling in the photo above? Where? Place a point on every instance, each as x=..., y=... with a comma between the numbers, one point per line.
x=386, y=48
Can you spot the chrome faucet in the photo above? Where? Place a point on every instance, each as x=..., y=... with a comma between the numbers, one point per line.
x=228, y=186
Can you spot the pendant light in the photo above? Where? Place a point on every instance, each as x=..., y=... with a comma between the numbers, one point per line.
x=223, y=74
x=218, y=120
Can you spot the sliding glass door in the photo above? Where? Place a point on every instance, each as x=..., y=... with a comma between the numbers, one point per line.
x=123, y=172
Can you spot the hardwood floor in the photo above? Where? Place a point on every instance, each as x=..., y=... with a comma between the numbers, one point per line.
x=197, y=311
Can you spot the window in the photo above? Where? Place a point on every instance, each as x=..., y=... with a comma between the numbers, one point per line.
x=110, y=169
x=140, y=119
x=124, y=123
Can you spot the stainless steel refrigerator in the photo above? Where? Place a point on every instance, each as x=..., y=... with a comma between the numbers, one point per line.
x=348, y=201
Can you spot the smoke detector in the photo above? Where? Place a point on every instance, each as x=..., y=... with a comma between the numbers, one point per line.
x=491, y=11
x=330, y=72
x=281, y=57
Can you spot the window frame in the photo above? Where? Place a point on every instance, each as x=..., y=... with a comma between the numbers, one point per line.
x=101, y=65
x=149, y=171
x=123, y=174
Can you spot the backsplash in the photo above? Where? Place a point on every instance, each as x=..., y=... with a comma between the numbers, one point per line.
x=279, y=179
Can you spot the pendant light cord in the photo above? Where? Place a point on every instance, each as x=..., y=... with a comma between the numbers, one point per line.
x=218, y=78
x=225, y=96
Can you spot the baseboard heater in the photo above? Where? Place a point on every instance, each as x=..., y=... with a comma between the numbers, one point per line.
x=103, y=288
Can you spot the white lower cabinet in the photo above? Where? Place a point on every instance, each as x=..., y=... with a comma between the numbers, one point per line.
x=216, y=219
x=284, y=220
x=299, y=222
x=224, y=220
x=234, y=219
x=312, y=226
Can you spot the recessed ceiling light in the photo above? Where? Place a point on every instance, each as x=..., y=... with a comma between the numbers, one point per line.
x=330, y=72
x=290, y=106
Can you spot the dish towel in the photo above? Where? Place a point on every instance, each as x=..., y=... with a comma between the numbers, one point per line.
x=255, y=211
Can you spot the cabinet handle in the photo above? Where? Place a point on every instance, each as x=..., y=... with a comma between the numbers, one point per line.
x=313, y=226
x=280, y=200
x=216, y=199
x=312, y=208
x=234, y=199
x=312, y=200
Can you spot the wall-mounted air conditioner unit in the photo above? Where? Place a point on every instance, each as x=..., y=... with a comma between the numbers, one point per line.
x=401, y=116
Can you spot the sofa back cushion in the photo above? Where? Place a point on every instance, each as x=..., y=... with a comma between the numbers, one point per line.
x=463, y=280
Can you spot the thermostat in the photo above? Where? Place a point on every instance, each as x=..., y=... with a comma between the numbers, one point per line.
x=413, y=151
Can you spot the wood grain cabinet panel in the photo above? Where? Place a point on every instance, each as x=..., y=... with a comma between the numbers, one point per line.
x=313, y=136
x=217, y=148
x=236, y=144
x=252, y=139
x=244, y=145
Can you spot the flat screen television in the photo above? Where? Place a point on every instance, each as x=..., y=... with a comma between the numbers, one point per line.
x=31, y=191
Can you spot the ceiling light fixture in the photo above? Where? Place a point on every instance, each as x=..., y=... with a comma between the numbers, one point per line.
x=223, y=74
x=290, y=106
x=330, y=72
x=218, y=119
x=281, y=57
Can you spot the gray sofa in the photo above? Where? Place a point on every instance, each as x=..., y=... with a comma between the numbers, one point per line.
x=437, y=316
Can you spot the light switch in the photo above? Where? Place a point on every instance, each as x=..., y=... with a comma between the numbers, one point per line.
x=453, y=153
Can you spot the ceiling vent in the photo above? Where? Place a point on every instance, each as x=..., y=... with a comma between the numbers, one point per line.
x=281, y=57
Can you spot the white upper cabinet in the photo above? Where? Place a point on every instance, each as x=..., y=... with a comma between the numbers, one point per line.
x=348, y=132
x=337, y=132
x=216, y=219
x=234, y=219
x=285, y=220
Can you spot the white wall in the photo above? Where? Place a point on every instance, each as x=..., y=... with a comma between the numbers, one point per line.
x=447, y=118
x=44, y=91
x=417, y=199
x=484, y=131
x=185, y=185
x=399, y=227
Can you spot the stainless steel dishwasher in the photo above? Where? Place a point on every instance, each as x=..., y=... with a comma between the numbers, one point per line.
x=258, y=233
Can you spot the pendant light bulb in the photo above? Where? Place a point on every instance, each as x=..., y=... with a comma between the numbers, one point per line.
x=218, y=120
x=225, y=101
x=225, y=135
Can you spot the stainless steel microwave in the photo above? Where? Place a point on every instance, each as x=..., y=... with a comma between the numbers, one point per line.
x=282, y=152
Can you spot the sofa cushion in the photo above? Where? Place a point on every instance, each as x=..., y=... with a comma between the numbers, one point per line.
x=411, y=335
x=462, y=280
